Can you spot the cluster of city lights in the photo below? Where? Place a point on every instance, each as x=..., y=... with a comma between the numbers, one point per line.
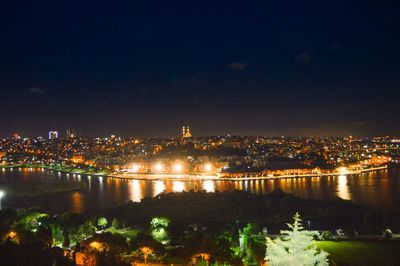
x=176, y=167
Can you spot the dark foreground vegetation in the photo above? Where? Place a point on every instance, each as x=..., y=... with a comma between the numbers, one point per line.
x=237, y=208
x=197, y=228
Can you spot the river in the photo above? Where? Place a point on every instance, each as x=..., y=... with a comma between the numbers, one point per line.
x=380, y=188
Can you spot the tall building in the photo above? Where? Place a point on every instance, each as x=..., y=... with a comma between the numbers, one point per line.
x=53, y=134
x=186, y=132
x=71, y=134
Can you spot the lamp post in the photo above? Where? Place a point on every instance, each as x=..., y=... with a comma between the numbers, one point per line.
x=1, y=196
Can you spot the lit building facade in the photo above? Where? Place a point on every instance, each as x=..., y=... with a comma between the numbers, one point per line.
x=53, y=134
x=186, y=132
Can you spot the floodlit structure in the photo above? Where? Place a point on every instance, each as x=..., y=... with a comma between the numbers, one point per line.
x=186, y=132
x=158, y=167
x=135, y=168
x=208, y=167
x=178, y=167
x=53, y=134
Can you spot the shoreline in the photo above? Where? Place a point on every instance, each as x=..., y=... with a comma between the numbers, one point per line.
x=47, y=167
x=191, y=177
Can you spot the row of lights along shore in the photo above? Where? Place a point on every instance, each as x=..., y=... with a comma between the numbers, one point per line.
x=176, y=167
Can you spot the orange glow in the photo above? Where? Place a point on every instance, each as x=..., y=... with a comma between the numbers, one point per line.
x=208, y=167
x=96, y=245
x=158, y=167
x=178, y=167
x=135, y=168
x=12, y=235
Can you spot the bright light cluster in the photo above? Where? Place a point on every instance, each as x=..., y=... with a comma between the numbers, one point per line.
x=135, y=168
x=208, y=167
x=158, y=167
x=178, y=167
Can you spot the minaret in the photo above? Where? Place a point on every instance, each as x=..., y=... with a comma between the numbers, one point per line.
x=183, y=131
x=188, y=134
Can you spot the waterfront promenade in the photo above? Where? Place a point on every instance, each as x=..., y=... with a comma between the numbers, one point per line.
x=184, y=177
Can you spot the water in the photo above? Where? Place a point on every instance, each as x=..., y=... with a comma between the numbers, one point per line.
x=379, y=188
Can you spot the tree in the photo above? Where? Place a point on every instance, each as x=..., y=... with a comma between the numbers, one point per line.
x=297, y=247
x=248, y=245
x=105, y=249
x=159, y=226
x=116, y=223
x=102, y=222
x=70, y=223
x=146, y=251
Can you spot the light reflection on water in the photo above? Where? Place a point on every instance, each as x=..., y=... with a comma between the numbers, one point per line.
x=209, y=185
x=379, y=188
x=135, y=191
x=178, y=186
x=158, y=187
x=342, y=188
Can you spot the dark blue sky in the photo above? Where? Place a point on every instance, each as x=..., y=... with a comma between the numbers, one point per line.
x=145, y=68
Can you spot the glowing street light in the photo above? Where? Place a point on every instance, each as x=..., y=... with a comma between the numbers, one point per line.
x=158, y=167
x=2, y=194
x=135, y=168
x=208, y=167
x=178, y=167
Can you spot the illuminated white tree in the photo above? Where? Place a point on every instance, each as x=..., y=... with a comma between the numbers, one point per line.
x=297, y=247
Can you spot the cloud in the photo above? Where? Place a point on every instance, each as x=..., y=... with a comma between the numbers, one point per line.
x=238, y=65
x=302, y=58
x=36, y=90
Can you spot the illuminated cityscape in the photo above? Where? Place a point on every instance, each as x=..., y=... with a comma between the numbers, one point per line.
x=219, y=156
x=158, y=133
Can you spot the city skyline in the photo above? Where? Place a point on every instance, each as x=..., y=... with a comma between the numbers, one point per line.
x=65, y=134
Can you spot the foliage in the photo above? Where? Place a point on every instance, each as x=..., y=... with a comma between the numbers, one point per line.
x=159, y=229
x=226, y=208
x=70, y=223
x=223, y=225
x=102, y=222
x=144, y=240
x=146, y=252
x=116, y=224
x=86, y=230
x=110, y=253
x=158, y=222
x=7, y=219
x=30, y=219
x=30, y=254
x=297, y=247
x=248, y=246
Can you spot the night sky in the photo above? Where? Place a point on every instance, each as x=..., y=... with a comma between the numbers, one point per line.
x=145, y=68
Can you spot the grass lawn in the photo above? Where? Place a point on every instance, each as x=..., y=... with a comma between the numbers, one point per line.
x=129, y=233
x=362, y=253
